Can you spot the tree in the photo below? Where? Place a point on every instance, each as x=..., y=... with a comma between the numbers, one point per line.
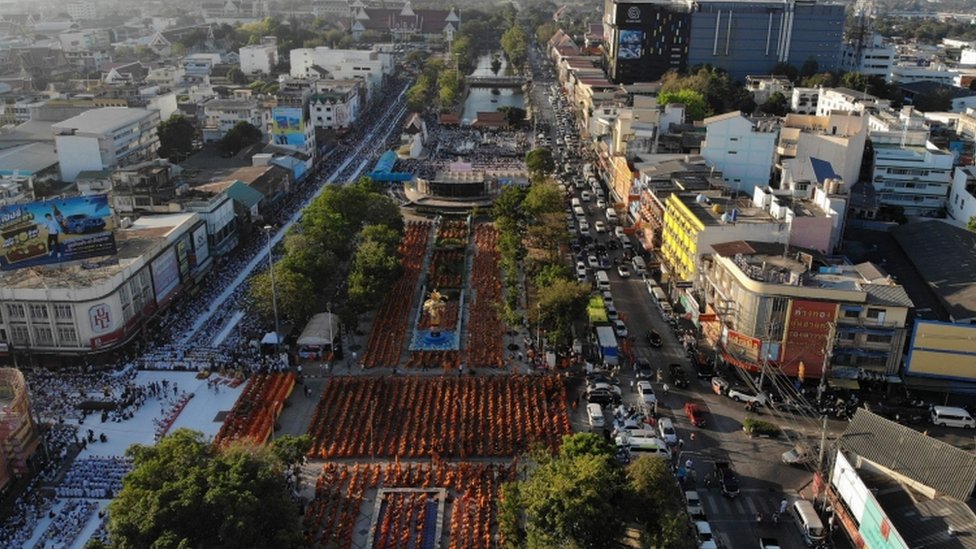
x=449, y=87
x=294, y=293
x=545, y=31
x=375, y=266
x=776, y=104
x=656, y=503
x=938, y=100
x=567, y=501
x=971, y=224
x=825, y=79
x=515, y=44
x=514, y=116
x=694, y=102
x=290, y=449
x=237, y=76
x=560, y=305
x=539, y=162
x=175, y=137
x=241, y=136
x=786, y=70
x=183, y=492
x=542, y=197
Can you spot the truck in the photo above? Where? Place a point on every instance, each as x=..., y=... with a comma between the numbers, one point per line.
x=769, y=543
x=607, y=341
x=726, y=478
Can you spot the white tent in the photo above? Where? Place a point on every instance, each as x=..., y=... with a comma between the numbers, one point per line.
x=272, y=338
x=319, y=330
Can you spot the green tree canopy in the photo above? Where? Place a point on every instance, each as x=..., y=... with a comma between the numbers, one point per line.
x=560, y=305
x=567, y=501
x=539, y=162
x=294, y=292
x=375, y=266
x=515, y=44
x=241, y=136
x=175, y=137
x=656, y=503
x=185, y=493
x=694, y=102
x=776, y=104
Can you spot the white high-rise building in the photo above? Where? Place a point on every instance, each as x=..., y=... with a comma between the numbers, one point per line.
x=260, y=58
x=105, y=138
x=742, y=149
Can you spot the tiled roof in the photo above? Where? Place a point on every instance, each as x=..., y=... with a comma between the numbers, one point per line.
x=907, y=452
x=891, y=296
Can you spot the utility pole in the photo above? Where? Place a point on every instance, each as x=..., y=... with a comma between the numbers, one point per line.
x=828, y=352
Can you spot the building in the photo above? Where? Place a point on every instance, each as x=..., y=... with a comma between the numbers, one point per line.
x=336, y=104
x=940, y=357
x=87, y=49
x=961, y=206
x=742, y=148
x=833, y=100
x=260, y=58
x=910, y=173
x=27, y=164
x=645, y=39
x=83, y=308
x=105, y=138
x=908, y=73
x=837, y=139
x=19, y=436
x=695, y=221
x=763, y=87
x=789, y=306
x=943, y=255
x=82, y=10
x=872, y=56
x=369, y=65
x=804, y=100
x=404, y=23
x=752, y=36
x=220, y=115
x=291, y=125
x=890, y=485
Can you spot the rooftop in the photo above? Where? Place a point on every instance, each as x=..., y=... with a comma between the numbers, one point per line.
x=103, y=120
x=945, y=257
x=710, y=206
x=30, y=158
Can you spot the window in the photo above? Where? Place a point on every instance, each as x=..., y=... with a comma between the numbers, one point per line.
x=15, y=310
x=851, y=313
x=876, y=314
x=19, y=334
x=872, y=338
x=846, y=336
x=43, y=335
x=62, y=312
x=67, y=335
x=38, y=311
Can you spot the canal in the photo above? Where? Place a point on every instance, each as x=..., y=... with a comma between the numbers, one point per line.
x=490, y=99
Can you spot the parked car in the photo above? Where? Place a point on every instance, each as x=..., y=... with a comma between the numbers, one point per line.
x=620, y=328
x=742, y=394
x=695, y=413
x=592, y=262
x=600, y=227
x=83, y=223
x=693, y=504
x=603, y=397
x=623, y=271
x=800, y=454
x=646, y=392
x=654, y=339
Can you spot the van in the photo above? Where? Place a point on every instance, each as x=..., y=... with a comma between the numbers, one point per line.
x=576, y=203
x=579, y=213
x=950, y=416
x=645, y=446
x=612, y=217
x=808, y=521
x=639, y=266
x=602, y=280
x=594, y=413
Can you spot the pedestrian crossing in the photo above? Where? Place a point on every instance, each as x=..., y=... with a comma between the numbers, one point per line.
x=719, y=508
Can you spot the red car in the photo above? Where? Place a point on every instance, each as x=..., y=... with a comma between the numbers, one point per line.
x=695, y=413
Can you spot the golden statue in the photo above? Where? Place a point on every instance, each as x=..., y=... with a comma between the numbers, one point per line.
x=434, y=307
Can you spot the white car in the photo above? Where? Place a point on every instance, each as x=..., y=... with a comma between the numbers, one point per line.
x=585, y=196
x=694, y=505
x=623, y=271
x=739, y=394
x=600, y=227
x=620, y=328
x=646, y=391
x=584, y=228
x=704, y=532
x=581, y=269
x=668, y=434
x=601, y=203
x=607, y=298
x=592, y=261
x=612, y=313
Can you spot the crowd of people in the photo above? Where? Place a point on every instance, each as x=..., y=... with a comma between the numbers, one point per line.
x=64, y=400
x=94, y=477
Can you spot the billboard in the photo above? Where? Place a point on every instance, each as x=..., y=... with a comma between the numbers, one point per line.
x=201, y=249
x=166, y=274
x=807, y=330
x=630, y=44
x=942, y=350
x=288, y=126
x=742, y=347
x=53, y=231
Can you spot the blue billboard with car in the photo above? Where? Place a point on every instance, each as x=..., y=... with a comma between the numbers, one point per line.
x=55, y=231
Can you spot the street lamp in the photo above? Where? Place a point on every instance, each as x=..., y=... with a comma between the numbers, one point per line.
x=274, y=291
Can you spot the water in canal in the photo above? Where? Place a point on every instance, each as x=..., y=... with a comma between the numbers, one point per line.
x=482, y=99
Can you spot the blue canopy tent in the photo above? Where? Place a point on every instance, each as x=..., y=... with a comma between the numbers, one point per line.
x=383, y=170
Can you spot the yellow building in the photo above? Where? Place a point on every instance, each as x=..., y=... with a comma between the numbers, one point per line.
x=695, y=221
